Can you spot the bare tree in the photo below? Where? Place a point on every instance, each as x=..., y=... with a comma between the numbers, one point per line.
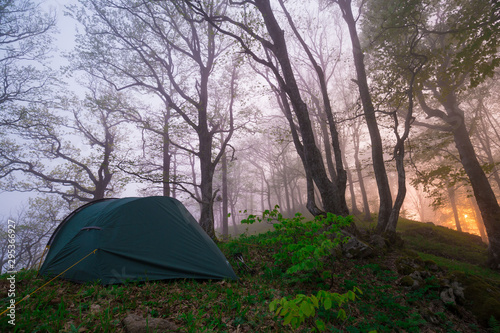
x=34, y=225
x=25, y=41
x=384, y=191
x=51, y=163
x=277, y=60
x=150, y=45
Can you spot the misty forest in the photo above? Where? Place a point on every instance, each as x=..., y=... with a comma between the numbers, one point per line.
x=344, y=156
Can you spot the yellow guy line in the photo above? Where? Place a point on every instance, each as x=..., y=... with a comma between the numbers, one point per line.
x=41, y=259
x=27, y=296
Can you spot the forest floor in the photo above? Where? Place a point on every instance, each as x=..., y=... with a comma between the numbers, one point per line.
x=394, y=298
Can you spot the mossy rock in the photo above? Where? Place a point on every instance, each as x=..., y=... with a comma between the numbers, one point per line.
x=406, y=281
x=395, y=240
x=482, y=297
x=431, y=265
x=408, y=265
x=410, y=253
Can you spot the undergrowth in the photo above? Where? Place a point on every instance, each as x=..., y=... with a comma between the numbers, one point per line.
x=294, y=279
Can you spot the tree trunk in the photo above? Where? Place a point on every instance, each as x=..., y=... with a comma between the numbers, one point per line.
x=485, y=197
x=300, y=202
x=400, y=197
x=287, y=191
x=293, y=197
x=354, y=205
x=384, y=190
x=310, y=201
x=399, y=153
x=453, y=204
x=224, y=198
x=484, y=138
x=479, y=220
x=329, y=191
x=166, y=159
x=233, y=219
x=206, y=185
x=262, y=205
x=328, y=149
x=174, y=170
x=361, y=181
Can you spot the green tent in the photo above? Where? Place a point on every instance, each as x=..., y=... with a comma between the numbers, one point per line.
x=136, y=239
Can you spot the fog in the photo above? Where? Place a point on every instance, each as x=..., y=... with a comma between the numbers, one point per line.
x=179, y=101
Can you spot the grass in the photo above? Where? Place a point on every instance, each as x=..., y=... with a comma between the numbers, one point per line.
x=243, y=306
x=457, y=265
x=439, y=241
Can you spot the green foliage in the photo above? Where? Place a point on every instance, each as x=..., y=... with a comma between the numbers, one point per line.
x=304, y=308
x=303, y=247
x=222, y=306
x=306, y=250
x=494, y=325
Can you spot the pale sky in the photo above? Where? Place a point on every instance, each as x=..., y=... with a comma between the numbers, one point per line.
x=11, y=202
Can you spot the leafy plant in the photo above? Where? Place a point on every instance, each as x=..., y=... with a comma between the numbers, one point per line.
x=494, y=325
x=303, y=247
x=304, y=308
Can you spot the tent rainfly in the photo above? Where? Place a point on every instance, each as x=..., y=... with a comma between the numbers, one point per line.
x=137, y=239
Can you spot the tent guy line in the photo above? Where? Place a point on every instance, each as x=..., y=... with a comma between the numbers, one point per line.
x=55, y=277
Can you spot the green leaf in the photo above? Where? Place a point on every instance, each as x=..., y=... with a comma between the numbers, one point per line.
x=288, y=319
x=273, y=305
x=327, y=303
x=284, y=310
x=306, y=309
x=342, y=315
x=320, y=324
x=315, y=301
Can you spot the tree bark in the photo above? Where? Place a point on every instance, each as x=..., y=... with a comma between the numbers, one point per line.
x=384, y=190
x=479, y=220
x=453, y=203
x=206, y=186
x=330, y=195
x=359, y=172
x=354, y=206
x=483, y=192
x=224, y=198
x=287, y=191
x=485, y=197
x=166, y=156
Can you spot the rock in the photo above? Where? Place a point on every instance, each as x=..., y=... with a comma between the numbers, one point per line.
x=407, y=265
x=431, y=265
x=137, y=324
x=453, y=292
x=394, y=240
x=416, y=276
x=429, y=316
x=482, y=296
x=448, y=296
x=406, y=281
x=458, y=290
x=354, y=248
x=95, y=309
x=377, y=241
x=420, y=275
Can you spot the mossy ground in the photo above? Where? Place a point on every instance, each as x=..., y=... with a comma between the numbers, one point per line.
x=386, y=305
